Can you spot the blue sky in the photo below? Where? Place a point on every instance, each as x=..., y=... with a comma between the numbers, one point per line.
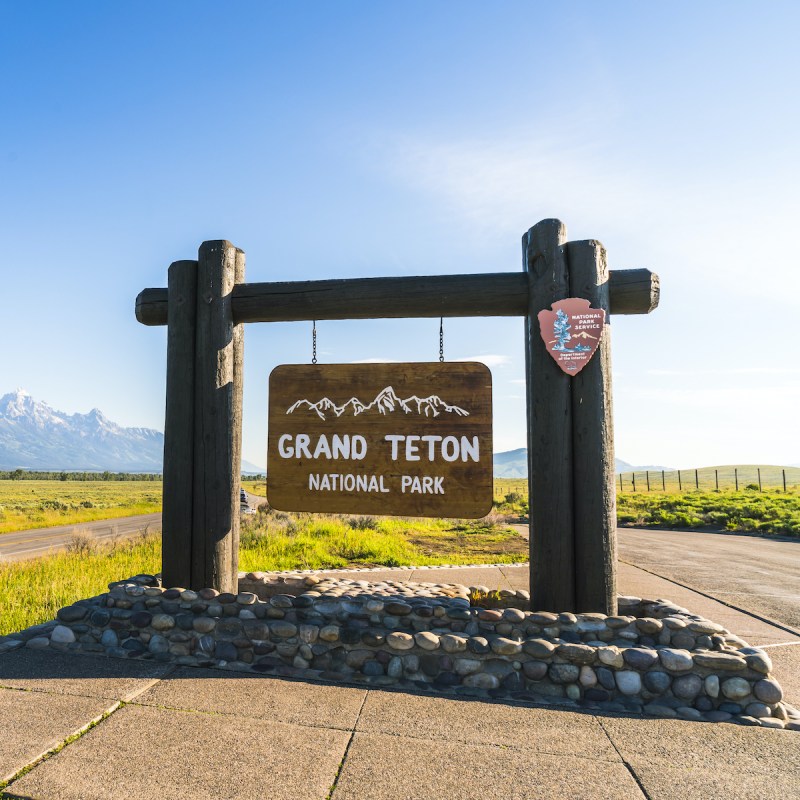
x=360, y=139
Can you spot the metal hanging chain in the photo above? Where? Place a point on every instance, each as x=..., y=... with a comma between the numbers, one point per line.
x=441, y=338
x=314, y=343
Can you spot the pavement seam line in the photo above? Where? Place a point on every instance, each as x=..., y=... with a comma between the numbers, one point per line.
x=347, y=749
x=628, y=766
x=134, y=693
x=495, y=745
x=752, y=614
x=47, y=754
x=779, y=644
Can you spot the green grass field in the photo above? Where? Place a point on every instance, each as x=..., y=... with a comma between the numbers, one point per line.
x=32, y=591
x=753, y=511
x=43, y=504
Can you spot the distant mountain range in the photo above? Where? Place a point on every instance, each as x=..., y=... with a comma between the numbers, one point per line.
x=514, y=464
x=34, y=436
x=385, y=402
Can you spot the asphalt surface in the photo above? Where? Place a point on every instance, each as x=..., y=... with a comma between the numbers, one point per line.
x=758, y=574
x=22, y=545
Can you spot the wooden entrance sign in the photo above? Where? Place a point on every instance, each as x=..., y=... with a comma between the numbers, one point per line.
x=569, y=415
x=409, y=439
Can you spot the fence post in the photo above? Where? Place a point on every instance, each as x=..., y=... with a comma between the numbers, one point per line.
x=716, y=478
x=680, y=485
x=784, y=480
x=176, y=517
x=549, y=409
x=736, y=477
x=594, y=500
x=663, y=482
x=218, y=420
x=759, y=479
x=696, y=480
x=621, y=488
x=647, y=478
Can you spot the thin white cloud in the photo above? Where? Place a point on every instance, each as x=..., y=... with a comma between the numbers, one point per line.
x=491, y=360
x=729, y=371
x=376, y=361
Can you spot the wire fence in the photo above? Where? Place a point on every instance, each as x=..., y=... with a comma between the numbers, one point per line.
x=707, y=479
x=759, y=479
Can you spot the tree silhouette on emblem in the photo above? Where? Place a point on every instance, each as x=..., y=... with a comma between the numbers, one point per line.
x=561, y=328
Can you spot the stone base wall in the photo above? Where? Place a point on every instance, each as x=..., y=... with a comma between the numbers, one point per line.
x=654, y=657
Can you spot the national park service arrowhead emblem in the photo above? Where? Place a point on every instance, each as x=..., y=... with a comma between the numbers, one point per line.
x=571, y=332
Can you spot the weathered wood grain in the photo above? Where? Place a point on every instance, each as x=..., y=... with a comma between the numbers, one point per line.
x=217, y=424
x=549, y=427
x=499, y=294
x=179, y=426
x=594, y=500
x=368, y=401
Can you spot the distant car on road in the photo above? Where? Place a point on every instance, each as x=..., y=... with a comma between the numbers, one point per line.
x=243, y=497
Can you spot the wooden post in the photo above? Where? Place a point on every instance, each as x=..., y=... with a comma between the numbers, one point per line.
x=784, y=480
x=633, y=480
x=594, y=498
x=663, y=482
x=759, y=479
x=647, y=477
x=549, y=409
x=218, y=421
x=696, y=480
x=736, y=478
x=176, y=517
x=680, y=485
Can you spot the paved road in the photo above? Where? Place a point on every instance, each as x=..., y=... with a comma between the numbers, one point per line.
x=30, y=544
x=40, y=541
x=754, y=573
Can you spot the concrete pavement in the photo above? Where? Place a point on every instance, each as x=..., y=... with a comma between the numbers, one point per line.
x=115, y=727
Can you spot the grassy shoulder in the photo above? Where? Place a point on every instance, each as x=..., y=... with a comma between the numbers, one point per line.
x=47, y=503
x=752, y=511
x=32, y=591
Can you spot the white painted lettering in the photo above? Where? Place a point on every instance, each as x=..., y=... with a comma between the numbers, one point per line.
x=341, y=446
x=431, y=440
x=394, y=439
x=470, y=450
x=283, y=450
x=411, y=448
x=322, y=448
x=438, y=485
x=301, y=446
x=358, y=448
x=450, y=448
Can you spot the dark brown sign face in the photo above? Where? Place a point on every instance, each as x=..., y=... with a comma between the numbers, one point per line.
x=400, y=439
x=571, y=332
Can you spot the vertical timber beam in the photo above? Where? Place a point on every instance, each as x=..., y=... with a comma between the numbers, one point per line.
x=552, y=570
x=176, y=519
x=594, y=501
x=218, y=421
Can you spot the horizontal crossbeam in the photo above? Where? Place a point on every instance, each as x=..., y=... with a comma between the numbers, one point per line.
x=501, y=294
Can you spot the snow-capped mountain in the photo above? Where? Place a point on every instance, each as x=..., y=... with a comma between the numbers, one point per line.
x=385, y=402
x=35, y=436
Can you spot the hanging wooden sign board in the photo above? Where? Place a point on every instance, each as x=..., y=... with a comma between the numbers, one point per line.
x=411, y=439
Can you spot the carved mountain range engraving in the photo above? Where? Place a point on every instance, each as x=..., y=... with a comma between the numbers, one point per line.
x=385, y=402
